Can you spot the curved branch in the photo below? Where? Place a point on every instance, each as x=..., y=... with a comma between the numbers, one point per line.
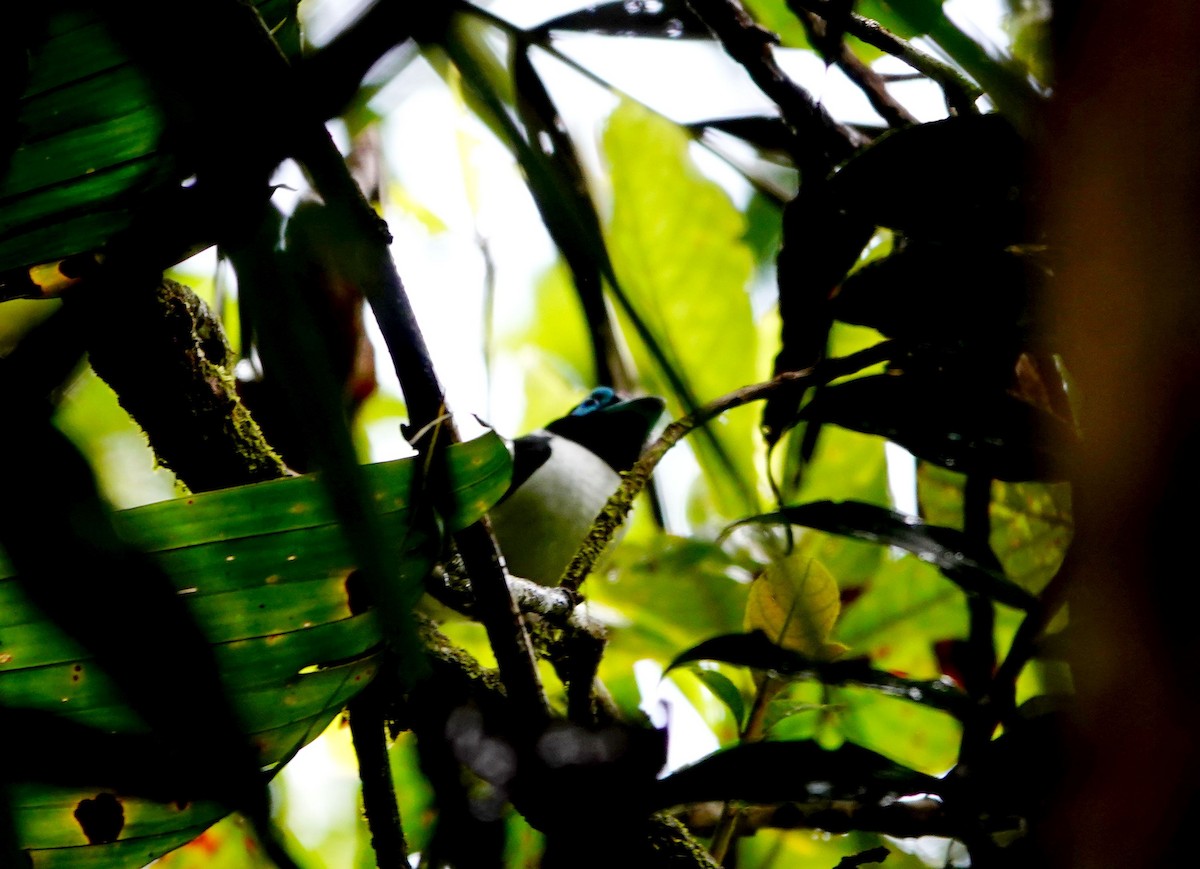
x=635, y=480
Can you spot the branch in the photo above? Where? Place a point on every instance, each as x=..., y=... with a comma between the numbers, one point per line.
x=868, y=81
x=375, y=773
x=332, y=75
x=906, y=819
x=371, y=267
x=635, y=480
x=822, y=141
x=562, y=632
x=166, y=357
x=568, y=803
x=961, y=93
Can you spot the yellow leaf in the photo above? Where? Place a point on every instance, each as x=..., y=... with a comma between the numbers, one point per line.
x=796, y=603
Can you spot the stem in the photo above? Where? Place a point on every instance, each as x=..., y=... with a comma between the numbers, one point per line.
x=977, y=499
x=979, y=664
x=730, y=820
x=374, y=771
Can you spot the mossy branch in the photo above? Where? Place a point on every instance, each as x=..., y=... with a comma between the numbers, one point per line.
x=167, y=358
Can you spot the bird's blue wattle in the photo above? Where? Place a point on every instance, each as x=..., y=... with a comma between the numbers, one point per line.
x=600, y=398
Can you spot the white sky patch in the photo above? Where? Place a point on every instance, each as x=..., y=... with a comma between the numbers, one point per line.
x=935, y=851
x=689, y=738
x=322, y=794
x=902, y=478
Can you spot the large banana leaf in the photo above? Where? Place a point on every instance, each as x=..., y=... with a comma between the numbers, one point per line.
x=268, y=575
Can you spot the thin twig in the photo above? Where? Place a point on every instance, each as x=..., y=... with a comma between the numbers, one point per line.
x=635, y=480
x=767, y=687
x=822, y=141
x=1000, y=698
x=961, y=93
x=868, y=81
x=981, y=657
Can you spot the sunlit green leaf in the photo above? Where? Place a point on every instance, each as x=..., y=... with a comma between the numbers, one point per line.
x=668, y=594
x=907, y=602
x=916, y=735
x=776, y=17
x=1031, y=523
x=676, y=244
x=795, y=602
x=724, y=689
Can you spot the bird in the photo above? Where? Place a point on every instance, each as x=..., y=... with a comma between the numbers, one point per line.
x=563, y=474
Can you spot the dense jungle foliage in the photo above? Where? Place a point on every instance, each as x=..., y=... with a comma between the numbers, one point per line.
x=251, y=612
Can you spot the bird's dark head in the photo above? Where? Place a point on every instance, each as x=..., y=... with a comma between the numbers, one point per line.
x=613, y=428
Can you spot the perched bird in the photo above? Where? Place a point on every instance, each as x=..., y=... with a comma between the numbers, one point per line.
x=562, y=476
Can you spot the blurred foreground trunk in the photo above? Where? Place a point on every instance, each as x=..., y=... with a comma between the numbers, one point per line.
x=1122, y=157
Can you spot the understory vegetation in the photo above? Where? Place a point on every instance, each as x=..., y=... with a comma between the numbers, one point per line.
x=271, y=306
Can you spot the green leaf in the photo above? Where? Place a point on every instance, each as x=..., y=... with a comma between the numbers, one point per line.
x=727, y=692
x=795, y=603
x=776, y=17
x=908, y=602
x=666, y=594
x=846, y=464
x=750, y=772
x=919, y=736
x=974, y=568
x=89, y=153
x=1032, y=526
x=927, y=292
x=959, y=179
x=676, y=244
x=958, y=424
x=1031, y=523
x=268, y=575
